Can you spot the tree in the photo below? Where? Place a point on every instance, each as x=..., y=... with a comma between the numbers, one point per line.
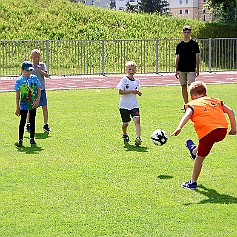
x=224, y=10
x=131, y=8
x=152, y=6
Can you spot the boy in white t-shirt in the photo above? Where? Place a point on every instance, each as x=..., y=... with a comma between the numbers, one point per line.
x=128, y=105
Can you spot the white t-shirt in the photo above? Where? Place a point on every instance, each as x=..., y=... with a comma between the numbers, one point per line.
x=128, y=101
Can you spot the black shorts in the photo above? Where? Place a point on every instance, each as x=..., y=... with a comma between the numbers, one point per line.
x=127, y=114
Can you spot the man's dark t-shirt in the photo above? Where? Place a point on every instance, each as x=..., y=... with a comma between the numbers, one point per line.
x=187, y=55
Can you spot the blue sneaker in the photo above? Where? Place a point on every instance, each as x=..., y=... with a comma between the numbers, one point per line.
x=191, y=146
x=190, y=184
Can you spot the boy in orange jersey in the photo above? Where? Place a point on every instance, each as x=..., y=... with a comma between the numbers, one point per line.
x=210, y=124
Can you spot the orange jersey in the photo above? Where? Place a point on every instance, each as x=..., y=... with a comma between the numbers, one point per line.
x=207, y=116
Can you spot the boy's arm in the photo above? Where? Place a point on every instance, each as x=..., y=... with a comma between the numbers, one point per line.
x=176, y=66
x=123, y=92
x=182, y=122
x=17, y=113
x=43, y=73
x=197, y=64
x=231, y=116
x=36, y=102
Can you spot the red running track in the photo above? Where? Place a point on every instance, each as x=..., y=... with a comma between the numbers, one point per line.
x=110, y=81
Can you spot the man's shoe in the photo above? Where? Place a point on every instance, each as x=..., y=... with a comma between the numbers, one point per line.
x=190, y=184
x=46, y=128
x=32, y=141
x=19, y=143
x=28, y=127
x=191, y=146
x=138, y=141
x=126, y=138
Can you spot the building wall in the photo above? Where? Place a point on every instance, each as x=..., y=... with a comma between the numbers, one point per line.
x=98, y=3
x=121, y=4
x=194, y=9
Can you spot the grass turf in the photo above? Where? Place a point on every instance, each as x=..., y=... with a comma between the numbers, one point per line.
x=81, y=180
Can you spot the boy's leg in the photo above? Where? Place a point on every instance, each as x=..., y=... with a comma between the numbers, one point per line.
x=185, y=93
x=137, y=126
x=28, y=123
x=203, y=149
x=22, y=124
x=45, y=113
x=197, y=167
x=32, y=122
x=124, y=128
x=183, y=82
x=43, y=102
x=136, y=118
x=138, y=140
x=125, y=116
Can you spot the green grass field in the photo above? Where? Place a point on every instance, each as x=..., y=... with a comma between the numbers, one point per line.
x=81, y=180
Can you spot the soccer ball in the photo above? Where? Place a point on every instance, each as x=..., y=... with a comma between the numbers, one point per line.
x=159, y=137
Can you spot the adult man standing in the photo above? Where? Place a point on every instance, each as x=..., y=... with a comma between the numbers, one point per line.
x=187, y=61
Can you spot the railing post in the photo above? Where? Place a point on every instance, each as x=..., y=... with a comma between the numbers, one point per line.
x=47, y=55
x=103, y=57
x=157, y=65
x=209, y=55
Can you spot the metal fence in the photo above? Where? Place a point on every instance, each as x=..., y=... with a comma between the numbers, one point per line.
x=84, y=57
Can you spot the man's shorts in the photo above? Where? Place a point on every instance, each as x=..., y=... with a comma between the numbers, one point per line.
x=205, y=144
x=127, y=114
x=43, y=99
x=186, y=77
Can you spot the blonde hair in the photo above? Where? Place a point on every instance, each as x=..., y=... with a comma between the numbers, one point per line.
x=187, y=28
x=35, y=51
x=198, y=88
x=130, y=63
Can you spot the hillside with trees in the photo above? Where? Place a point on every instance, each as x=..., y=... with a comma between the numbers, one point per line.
x=66, y=20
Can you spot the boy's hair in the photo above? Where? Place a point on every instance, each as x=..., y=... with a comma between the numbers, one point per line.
x=198, y=88
x=130, y=63
x=187, y=28
x=35, y=51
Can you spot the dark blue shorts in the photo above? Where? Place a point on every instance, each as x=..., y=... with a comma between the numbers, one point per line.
x=43, y=99
x=127, y=114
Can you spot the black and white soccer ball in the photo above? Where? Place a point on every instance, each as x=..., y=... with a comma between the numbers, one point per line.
x=159, y=137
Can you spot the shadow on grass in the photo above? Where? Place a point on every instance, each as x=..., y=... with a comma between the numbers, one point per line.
x=214, y=197
x=42, y=135
x=130, y=147
x=30, y=150
x=164, y=176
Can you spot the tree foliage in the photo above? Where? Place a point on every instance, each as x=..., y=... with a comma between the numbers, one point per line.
x=224, y=10
x=153, y=6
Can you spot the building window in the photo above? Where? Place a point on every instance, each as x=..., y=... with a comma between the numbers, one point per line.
x=186, y=11
x=187, y=1
x=180, y=12
x=180, y=1
x=132, y=1
x=203, y=10
x=204, y=0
